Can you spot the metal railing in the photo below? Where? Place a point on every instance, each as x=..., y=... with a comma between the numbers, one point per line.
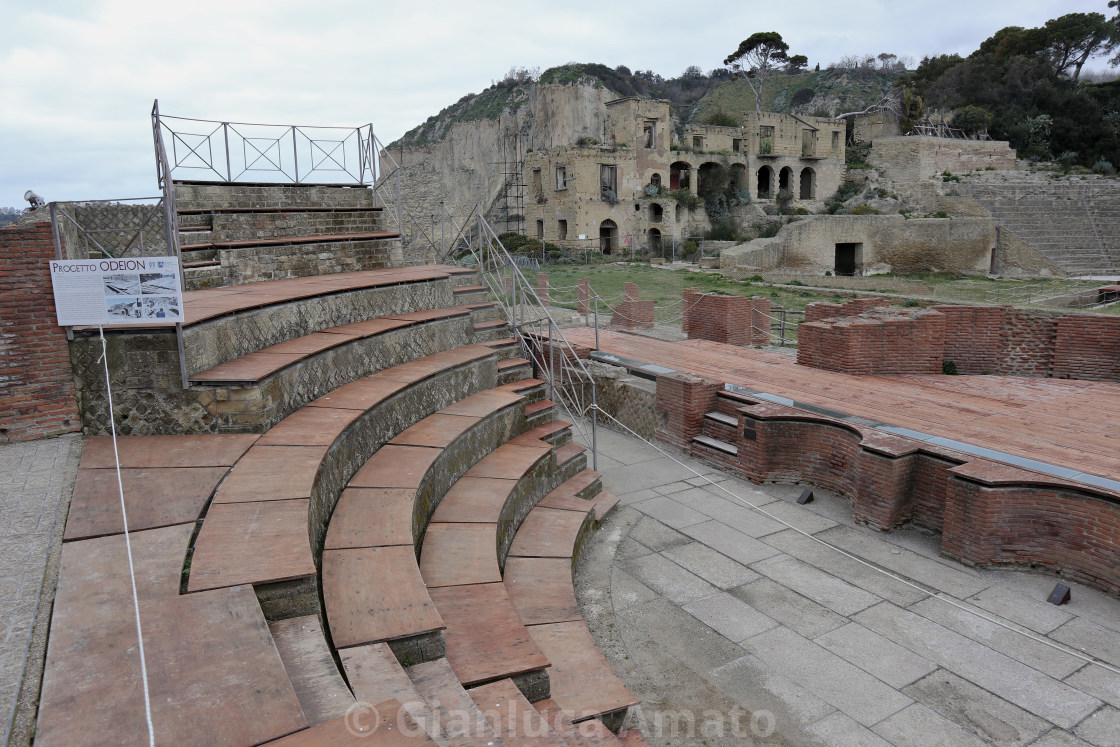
x=242, y=152
x=539, y=337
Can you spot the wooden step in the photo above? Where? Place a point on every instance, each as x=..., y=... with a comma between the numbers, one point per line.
x=511, y=363
x=493, y=324
x=500, y=343
x=568, y=452
x=385, y=724
x=583, y=682
x=588, y=733
x=311, y=668
x=549, y=533
x=549, y=431
x=522, y=386
x=376, y=675
x=457, y=554
x=458, y=721
x=298, y=240
x=486, y=640
x=375, y=594
x=536, y=408
x=469, y=289
x=201, y=264
x=512, y=716
x=541, y=591
x=300, y=209
x=604, y=504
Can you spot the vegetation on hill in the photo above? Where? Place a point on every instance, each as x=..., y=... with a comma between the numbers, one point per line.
x=1025, y=83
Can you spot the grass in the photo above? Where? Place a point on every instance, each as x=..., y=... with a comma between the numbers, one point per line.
x=664, y=288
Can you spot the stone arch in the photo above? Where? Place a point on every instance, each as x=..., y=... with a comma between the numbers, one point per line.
x=608, y=236
x=765, y=182
x=739, y=176
x=711, y=176
x=656, y=212
x=655, y=180
x=680, y=175
x=808, y=184
x=654, y=237
x=785, y=180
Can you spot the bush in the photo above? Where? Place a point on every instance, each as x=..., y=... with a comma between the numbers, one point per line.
x=721, y=118
x=586, y=140
x=865, y=210
x=769, y=230
x=939, y=214
x=689, y=250
x=723, y=230
x=949, y=176
x=949, y=368
x=764, y=146
x=910, y=303
x=1104, y=166
x=686, y=199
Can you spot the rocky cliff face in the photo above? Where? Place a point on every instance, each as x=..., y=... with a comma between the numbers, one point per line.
x=463, y=156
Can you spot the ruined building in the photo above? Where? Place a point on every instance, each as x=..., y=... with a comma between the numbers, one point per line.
x=631, y=191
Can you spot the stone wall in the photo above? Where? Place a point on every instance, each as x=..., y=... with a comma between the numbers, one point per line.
x=254, y=264
x=116, y=230
x=917, y=158
x=37, y=395
x=885, y=243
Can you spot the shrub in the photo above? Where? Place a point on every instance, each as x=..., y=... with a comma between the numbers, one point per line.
x=949, y=176
x=1104, y=166
x=865, y=210
x=948, y=367
x=686, y=199
x=720, y=118
x=764, y=146
x=769, y=230
x=723, y=230
x=939, y=214
x=689, y=250
x=910, y=303
x=586, y=140
x=610, y=197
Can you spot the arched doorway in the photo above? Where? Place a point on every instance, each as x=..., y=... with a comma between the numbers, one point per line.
x=765, y=183
x=739, y=176
x=711, y=177
x=785, y=180
x=654, y=242
x=656, y=213
x=655, y=180
x=808, y=184
x=680, y=173
x=608, y=236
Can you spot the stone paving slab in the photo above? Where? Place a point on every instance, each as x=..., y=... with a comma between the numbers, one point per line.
x=834, y=650
x=38, y=479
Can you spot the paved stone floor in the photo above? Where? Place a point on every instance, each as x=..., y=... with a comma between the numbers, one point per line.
x=36, y=479
x=724, y=619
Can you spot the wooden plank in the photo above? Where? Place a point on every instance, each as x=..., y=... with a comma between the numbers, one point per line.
x=510, y=461
x=484, y=403
x=485, y=638
x=459, y=722
x=322, y=692
x=213, y=672
x=252, y=543
x=252, y=367
x=582, y=680
x=512, y=716
x=474, y=500
x=455, y=554
x=395, y=467
x=548, y=533
x=437, y=431
x=385, y=724
x=588, y=733
x=153, y=498
x=604, y=503
x=371, y=517
x=375, y=594
x=540, y=589
x=272, y=473
x=309, y=426
x=361, y=394
x=202, y=450
x=376, y=675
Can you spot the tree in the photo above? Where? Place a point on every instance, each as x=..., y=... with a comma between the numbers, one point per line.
x=1075, y=37
x=692, y=72
x=972, y=119
x=756, y=59
x=887, y=61
x=797, y=63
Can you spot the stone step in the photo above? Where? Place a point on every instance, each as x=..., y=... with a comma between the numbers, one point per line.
x=713, y=443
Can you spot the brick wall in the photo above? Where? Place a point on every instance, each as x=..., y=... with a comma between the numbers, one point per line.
x=859, y=338
x=733, y=320
x=632, y=313
x=682, y=401
x=36, y=386
x=881, y=341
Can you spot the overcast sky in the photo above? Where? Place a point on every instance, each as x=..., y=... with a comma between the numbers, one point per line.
x=78, y=77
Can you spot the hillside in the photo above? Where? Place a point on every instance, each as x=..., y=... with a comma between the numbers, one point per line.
x=824, y=93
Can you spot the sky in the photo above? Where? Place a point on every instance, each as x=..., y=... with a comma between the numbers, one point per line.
x=78, y=77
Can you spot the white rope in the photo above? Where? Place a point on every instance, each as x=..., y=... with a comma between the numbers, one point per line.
x=128, y=546
x=873, y=566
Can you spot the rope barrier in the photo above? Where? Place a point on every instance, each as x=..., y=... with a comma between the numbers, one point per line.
x=128, y=546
